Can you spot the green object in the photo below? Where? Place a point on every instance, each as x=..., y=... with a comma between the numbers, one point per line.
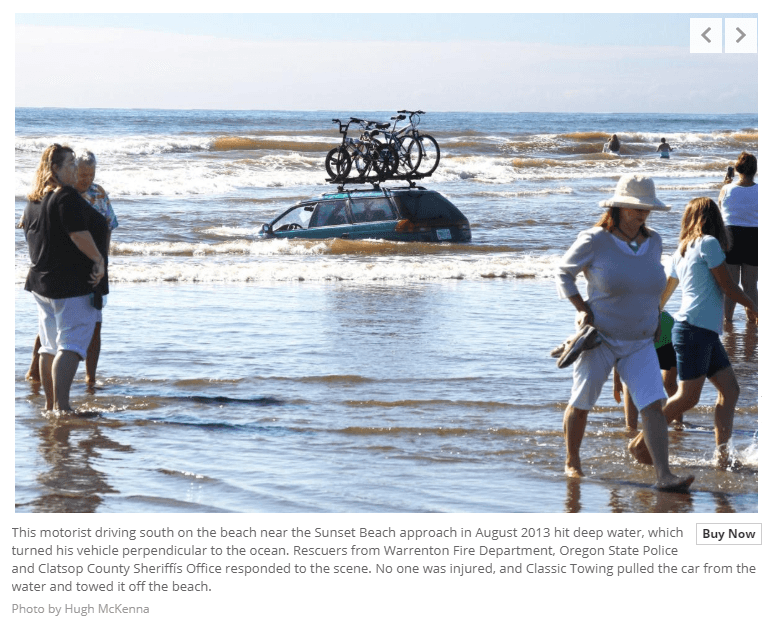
x=666, y=322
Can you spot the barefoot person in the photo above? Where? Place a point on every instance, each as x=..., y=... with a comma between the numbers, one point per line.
x=98, y=199
x=67, y=242
x=620, y=259
x=699, y=267
x=739, y=209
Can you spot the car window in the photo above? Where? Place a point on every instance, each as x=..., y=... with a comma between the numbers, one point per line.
x=297, y=216
x=329, y=213
x=369, y=210
x=426, y=205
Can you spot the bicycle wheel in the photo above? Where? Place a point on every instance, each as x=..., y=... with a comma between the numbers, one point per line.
x=385, y=159
x=362, y=163
x=431, y=155
x=409, y=155
x=338, y=163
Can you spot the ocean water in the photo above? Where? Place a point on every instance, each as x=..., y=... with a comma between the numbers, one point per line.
x=329, y=376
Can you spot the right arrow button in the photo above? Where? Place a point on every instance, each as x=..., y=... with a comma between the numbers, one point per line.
x=741, y=35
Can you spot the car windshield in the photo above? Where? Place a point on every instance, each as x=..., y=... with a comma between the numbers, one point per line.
x=370, y=210
x=296, y=216
x=420, y=204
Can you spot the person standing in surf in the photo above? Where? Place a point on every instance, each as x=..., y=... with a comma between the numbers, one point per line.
x=612, y=145
x=620, y=259
x=700, y=268
x=664, y=149
x=739, y=209
x=98, y=199
x=67, y=242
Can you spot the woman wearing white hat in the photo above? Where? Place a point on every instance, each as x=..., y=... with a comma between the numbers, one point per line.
x=620, y=259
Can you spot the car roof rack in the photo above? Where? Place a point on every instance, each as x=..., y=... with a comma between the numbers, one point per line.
x=375, y=188
x=375, y=180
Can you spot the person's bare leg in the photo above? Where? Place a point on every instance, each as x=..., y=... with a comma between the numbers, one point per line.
x=64, y=367
x=687, y=396
x=734, y=272
x=671, y=387
x=749, y=277
x=45, y=362
x=92, y=356
x=631, y=413
x=656, y=438
x=33, y=373
x=574, y=423
x=725, y=382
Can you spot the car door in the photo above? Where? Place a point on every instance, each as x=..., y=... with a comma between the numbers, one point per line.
x=373, y=217
x=331, y=219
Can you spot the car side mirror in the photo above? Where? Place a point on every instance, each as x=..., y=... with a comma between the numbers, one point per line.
x=266, y=228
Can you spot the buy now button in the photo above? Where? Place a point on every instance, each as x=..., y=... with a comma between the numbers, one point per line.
x=734, y=534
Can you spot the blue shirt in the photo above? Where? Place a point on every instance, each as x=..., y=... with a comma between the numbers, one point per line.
x=98, y=199
x=702, y=301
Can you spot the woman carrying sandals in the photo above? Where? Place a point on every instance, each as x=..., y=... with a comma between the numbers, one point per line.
x=620, y=259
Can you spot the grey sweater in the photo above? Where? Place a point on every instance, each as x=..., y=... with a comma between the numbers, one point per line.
x=623, y=288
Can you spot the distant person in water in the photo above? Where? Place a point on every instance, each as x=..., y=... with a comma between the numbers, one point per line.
x=664, y=149
x=613, y=145
x=98, y=199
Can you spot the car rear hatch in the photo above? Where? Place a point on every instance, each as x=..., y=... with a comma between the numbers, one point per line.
x=430, y=216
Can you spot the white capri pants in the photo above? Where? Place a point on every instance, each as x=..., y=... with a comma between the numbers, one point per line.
x=65, y=323
x=638, y=367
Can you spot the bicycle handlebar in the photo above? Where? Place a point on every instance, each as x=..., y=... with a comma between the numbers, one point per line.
x=366, y=124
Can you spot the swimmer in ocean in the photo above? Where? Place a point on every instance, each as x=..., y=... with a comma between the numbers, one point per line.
x=664, y=149
x=613, y=145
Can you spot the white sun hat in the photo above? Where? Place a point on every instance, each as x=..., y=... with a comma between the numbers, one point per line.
x=635, y=191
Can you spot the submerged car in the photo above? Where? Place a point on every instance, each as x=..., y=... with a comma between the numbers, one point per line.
x=394, y=214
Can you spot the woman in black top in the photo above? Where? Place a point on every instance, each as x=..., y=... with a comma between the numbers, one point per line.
x=67, y=242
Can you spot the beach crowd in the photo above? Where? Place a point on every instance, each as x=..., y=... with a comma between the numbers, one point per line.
x=622, y=317
x=660, y=361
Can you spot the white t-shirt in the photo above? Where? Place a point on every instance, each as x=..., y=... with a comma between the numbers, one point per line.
x=739, y=205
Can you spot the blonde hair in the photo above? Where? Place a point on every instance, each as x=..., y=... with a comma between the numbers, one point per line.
x=702, y=218
x=45, y=179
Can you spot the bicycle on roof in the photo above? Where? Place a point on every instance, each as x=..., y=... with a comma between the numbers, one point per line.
x=365, y=153
x=410, y=141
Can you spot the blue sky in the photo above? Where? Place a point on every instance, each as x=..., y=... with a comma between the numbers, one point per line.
x=655, y=29
x=445, y=62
